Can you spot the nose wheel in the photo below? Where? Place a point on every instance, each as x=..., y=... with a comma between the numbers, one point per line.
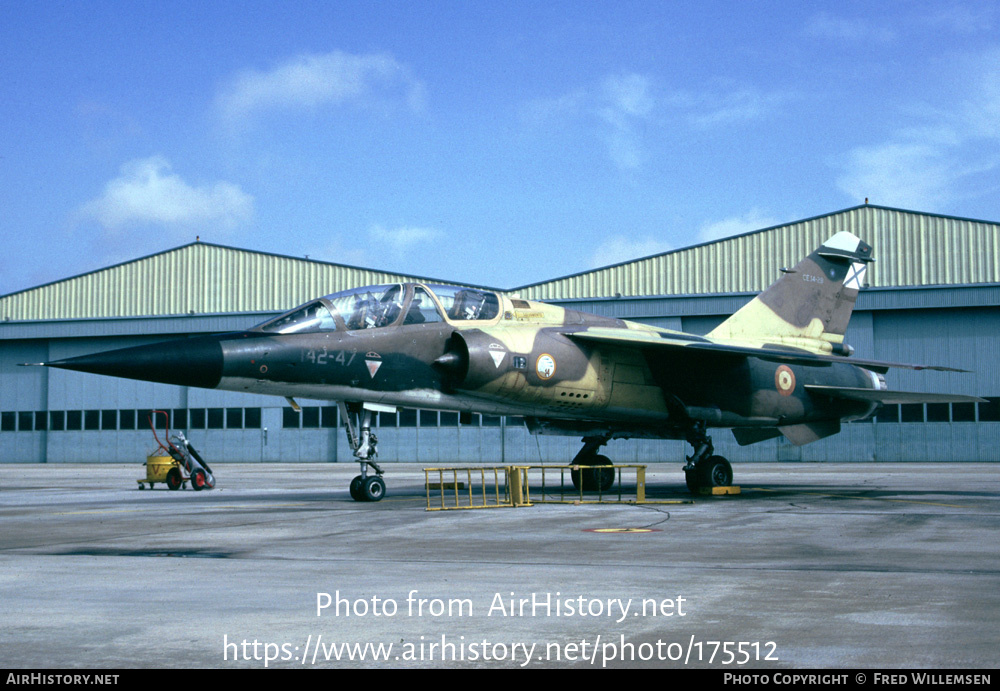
x=370, y=488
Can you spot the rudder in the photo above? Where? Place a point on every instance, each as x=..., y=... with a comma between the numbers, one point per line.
x=811, y=304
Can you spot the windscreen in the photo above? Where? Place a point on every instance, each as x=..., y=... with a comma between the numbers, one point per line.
x=306, y=319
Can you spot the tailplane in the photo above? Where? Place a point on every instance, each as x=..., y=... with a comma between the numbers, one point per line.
x=810, y=305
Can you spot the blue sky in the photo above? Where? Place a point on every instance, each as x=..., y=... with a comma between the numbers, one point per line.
x=495, y=143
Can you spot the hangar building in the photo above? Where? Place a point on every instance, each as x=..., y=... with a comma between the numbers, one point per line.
x=933, y=298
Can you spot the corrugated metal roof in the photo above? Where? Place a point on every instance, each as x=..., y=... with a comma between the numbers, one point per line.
x=911, y=249
x=199, y=278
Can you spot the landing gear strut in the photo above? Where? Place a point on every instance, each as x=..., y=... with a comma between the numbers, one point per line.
x=364, y=487
x=593, y=479
x=704, y=469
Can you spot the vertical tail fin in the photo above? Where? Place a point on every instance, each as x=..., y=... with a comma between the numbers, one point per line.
x=811, y=304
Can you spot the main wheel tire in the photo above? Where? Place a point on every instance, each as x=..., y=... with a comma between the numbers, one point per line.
x=691, y=478
x=714, y=471
x=174, y=479
x=373, y=488
x=594, y=479
x=356, y=494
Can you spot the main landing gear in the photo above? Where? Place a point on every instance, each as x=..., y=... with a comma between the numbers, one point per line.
x=364, y=487
x=704, y=469
x=596, y=478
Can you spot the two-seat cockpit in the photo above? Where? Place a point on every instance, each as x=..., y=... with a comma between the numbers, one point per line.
x=373, y=307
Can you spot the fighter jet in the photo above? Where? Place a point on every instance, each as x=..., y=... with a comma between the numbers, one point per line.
x=777, y=367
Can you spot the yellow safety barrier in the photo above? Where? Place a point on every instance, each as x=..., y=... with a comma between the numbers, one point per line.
x=475, y=488
x=470, y=488
x=566, y=491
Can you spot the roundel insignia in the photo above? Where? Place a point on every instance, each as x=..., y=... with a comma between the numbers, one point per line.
x=545, y=366
x=784, y=380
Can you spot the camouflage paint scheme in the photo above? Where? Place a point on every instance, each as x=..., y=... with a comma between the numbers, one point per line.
x=778, y=366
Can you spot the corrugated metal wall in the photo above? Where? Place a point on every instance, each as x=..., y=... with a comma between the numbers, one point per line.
x=911, y=249
x=198, y=278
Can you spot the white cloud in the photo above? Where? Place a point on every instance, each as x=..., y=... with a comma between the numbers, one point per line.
x=619, y=105
x=312, y=81
x=336, y=252
x=626, y=110
x=541, y=112
x=743, y=105
x=962, y=20
x=941, y=158
x=148, y=193
x=400, y=244
x=623, y=104
x=405, y=237
x=909, y=174
x=615, y=250
x=827, y=26
x=626, y=95
x=753, y=220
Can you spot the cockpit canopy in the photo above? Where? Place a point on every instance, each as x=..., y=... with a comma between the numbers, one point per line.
x=374, y=307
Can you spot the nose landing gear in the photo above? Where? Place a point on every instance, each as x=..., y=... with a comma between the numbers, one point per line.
x=364, y=487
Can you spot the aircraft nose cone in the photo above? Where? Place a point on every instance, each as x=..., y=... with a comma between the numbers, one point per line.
x=183, y=362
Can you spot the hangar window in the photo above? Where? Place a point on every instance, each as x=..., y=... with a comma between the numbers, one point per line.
x=179, y=420
x=126, y=419
x=251, y=418
x=109, y=419
x=41, y=421
x=8, y=422
x=963, y=412
x=990, y=411
x=310, y=417
x=386, y=419
x=407, y=418
x=215, y=418
x=196, y=418
x=74, y=420
x=234, y=418
x=428, y=418
x=328, y=416
x=911, y=412
x=25, y=421
x=937, y=412
x=888, y=413
x=290, y=418
x=57, y=420
x=92, y=419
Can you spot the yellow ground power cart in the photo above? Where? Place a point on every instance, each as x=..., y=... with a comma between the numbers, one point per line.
x=176, y=462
